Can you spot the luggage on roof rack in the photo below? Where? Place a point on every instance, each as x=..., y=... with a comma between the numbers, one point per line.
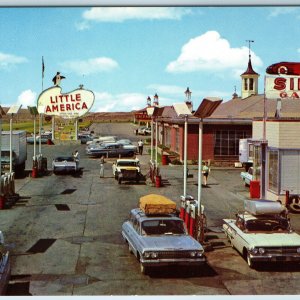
x=157, y=204
x=263, y=207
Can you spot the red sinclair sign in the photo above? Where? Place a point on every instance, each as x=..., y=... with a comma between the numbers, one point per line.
x=283, y=81
x=69, y=105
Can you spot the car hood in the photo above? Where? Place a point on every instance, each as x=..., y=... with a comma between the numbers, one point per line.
x=273, y=239
x=170, y=242
x=64, y=163
x=280, y=239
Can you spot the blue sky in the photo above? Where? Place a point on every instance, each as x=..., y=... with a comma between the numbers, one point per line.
x=125, y=54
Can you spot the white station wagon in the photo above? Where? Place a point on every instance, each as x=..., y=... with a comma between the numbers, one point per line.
x=263, y=233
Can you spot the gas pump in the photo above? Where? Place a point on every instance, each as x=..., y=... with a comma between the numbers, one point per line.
x=183, y=200
x=193, y=215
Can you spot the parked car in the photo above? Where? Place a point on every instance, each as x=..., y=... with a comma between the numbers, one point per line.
x=263, y=233
x=84, y=138
x=102, y=139
x=111, y=150
x=160, y=239
x=44, y=138
x=247, y=177
x=5, y=267
x=65, y=164
x=144, y=130
x=124, y=142
x=127, y=170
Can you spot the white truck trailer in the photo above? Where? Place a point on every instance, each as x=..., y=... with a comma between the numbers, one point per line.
x=246, y=153
x=19, y=151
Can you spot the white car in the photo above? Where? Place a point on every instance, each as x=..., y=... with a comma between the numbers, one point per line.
x=247, y=177
x=144, y=130
x=102, y=139
x=263, y=233
x=127, y=170
x=65, y=164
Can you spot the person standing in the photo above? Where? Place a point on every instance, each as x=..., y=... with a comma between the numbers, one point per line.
x=205, y=172
x=141, y=146
x=76, y=157
x=102, y=166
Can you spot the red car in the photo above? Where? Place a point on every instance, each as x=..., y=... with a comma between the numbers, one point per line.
x=284, y=68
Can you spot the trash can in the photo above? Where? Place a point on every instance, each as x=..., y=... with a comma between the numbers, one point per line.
x=164, y=159
x=2, y=202
x=158, y=181
x=255, y=189
x=34, y=172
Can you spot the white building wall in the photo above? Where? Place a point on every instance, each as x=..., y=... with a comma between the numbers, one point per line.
x=285, y=135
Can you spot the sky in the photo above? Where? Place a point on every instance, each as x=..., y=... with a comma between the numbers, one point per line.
x=125, y=54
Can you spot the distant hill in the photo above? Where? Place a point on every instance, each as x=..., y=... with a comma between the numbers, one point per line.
x=24, y=115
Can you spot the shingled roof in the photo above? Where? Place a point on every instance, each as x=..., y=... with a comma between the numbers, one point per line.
x=253, y=107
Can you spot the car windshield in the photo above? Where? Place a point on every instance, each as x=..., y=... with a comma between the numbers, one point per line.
x=267, y=225
x=160, y=227
x=60, y=159
x=127, y=164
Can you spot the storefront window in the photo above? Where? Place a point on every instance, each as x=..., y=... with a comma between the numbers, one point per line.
x=273, y=170
x=227, y=142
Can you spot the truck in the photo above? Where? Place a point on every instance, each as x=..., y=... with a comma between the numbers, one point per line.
x=246, y=153
x=126, y=169
x=19, y=151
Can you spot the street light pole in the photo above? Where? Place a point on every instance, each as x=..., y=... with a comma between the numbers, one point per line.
x=206, y=109
x=185, y=155
x=10, y=143
x=200, y=178
x=156, y=138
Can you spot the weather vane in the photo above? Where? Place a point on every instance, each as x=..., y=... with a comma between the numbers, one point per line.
x=249, y=42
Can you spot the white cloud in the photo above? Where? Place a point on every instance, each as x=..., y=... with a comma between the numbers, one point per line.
x=120, y=14
x=91, y=66
x=9, y=60
x=27, y=98
x=105, y=102
x=211, y=53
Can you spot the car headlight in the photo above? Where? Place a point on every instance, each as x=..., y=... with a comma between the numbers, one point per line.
x=193, y=253
x=254, y=250
x=150, y=254
x=196, y=253
x=261, y=250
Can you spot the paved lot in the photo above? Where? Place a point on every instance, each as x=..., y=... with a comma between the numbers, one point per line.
x=65, y=234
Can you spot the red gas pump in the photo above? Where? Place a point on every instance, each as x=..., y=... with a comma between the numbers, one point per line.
x=182, y=208
x=193, y=215
x=188, y=213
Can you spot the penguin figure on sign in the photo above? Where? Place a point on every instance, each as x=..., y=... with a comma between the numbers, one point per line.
x=57, y=78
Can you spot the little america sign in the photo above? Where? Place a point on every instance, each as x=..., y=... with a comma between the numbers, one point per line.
x=69, y=105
